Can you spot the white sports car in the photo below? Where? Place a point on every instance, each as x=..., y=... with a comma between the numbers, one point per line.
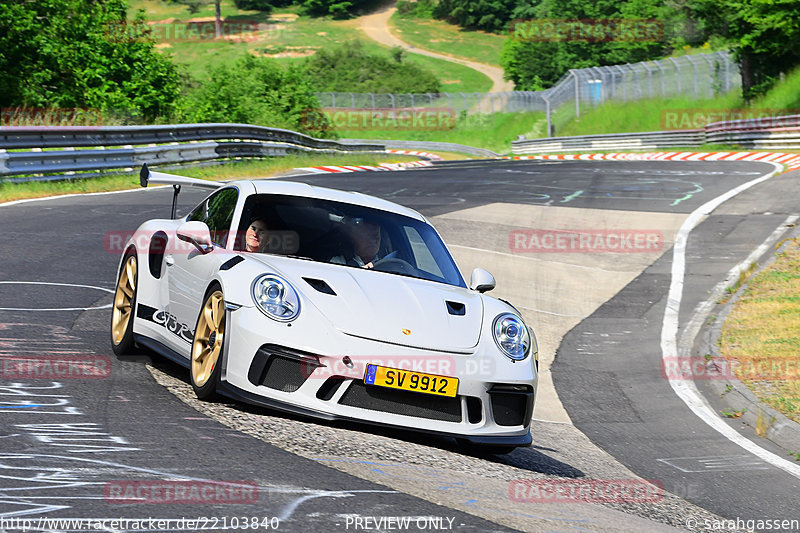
x=326, y=303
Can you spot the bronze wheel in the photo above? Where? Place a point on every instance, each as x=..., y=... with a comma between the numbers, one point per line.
x=207, y=345
x=124, y=306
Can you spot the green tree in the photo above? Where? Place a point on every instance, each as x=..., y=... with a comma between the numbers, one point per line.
x=82, y=53
x=338, y=9
x=350, y=68
x=257, y=91
x=535, y=59
x=764, y=34
x=489, y=15
x=255, y=5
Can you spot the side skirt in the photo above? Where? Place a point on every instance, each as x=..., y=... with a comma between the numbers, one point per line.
x=161, y=349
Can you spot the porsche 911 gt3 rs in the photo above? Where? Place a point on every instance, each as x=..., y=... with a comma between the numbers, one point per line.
x=329, y=304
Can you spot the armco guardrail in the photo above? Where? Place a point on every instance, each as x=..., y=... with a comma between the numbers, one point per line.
x=769, y=133
x=429, y=145
x=654, y=140
x=113, y=146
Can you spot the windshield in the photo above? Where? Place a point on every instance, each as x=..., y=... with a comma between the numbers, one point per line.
x=345, y=234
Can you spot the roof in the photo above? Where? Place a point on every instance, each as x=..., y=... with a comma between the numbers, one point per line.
x=290, y=188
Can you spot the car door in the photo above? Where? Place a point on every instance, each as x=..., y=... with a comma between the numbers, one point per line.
x=190, y=270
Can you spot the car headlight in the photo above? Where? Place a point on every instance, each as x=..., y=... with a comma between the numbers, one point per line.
x=511, y=335
x=276, y=298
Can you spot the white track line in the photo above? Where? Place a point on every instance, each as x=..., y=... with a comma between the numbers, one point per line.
x=107, y=306
x=685, y=389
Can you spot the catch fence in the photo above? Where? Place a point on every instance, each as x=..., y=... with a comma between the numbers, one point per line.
x=697, y=76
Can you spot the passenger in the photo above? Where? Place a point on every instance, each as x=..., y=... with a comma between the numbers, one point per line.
x=365, y=237
x=257, y=236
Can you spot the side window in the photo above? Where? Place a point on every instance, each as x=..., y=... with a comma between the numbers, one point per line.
x=422, y=255
x=217, y=212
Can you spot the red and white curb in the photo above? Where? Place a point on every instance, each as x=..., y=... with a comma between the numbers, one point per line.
x=789, y=161
x=429, y=157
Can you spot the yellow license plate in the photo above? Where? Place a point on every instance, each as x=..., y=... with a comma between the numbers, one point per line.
x=395, y=378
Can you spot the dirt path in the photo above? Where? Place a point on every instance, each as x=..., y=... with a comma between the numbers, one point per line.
x=376, y=26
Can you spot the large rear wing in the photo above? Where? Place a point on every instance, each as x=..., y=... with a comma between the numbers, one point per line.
x=146, y=176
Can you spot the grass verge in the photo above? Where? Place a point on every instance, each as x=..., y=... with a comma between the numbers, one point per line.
x=244, y=169
x=285, y=35
x=657, y=114
x=439, y=36
x=493, y=131
x=762, y=333
x=660, y=114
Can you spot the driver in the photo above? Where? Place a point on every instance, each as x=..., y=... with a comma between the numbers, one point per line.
x=257, y=236
x=365, y=236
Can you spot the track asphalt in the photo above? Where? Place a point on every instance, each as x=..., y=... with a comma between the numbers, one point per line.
x=64, y=442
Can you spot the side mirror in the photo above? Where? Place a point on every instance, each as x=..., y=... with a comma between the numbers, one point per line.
x=198, y=234
x=481, y=280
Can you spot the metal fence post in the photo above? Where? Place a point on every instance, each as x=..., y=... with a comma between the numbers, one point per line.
x=712, y=76
x=622, y=82
x=727, y=58
x=577, y=94
x=649, y=79
x=547, y=111
x=661, y=71
x=694, y=71
x=678, y=71
x=636, y=77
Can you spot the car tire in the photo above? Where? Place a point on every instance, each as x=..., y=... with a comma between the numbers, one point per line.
x=207, y=345
x=123, y=309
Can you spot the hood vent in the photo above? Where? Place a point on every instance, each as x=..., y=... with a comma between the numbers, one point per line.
x=456, y=308
x=320, y=286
